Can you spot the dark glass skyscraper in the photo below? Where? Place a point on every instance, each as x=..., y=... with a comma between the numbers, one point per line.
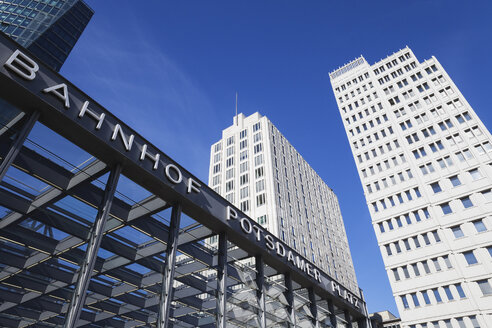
x=48, y=28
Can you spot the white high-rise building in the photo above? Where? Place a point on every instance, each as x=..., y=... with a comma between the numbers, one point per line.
x=425, y=162
x=257, y=169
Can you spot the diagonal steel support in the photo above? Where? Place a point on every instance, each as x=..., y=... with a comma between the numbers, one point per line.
x=260, y=292
x=222, y=281
x=289, y=295
x=95, y=237
x=17, y=145
x=167, y=290
x=333, y=317
x=313, y=307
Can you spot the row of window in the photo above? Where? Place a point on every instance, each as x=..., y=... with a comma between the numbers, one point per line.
x=260, y=200
x=446, y=161
x=360, y=101
x=397, y=72
x=364, y=113
x=479, y=226
x=412, y=243
x=433, y=146
x=356, y=105
x=392, y=63
x=373, y=153
x=354, y=81
x=404, y=220
x=258, y=160
x=385, y=164
x=444, y=125
x=374, y=138
x=390, y=200
x=460, y=322
x=231, y=140
x=389, y=182
x=433, y=296
x=455, y=181
x=471, y=255
x=424, y=267
x=429, y=266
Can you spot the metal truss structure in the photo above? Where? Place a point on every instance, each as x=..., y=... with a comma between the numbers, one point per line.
x=92, y=245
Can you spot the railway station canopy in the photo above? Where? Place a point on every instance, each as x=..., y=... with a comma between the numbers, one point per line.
x=100, y=228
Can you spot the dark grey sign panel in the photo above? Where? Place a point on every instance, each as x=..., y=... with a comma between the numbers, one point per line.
x=28, y=84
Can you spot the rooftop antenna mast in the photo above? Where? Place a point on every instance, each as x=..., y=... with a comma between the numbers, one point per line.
x=237, y=122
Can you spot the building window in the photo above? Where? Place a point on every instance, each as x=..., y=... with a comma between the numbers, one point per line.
x=245, y=206
x=256, y=127
x=426, y=297
x=405, y=301
x=260, y=185
x=466, y=201
x=461, y=293
x=458, y=233
x=405, y=272
x=243, y=179
x=388, y=250
x=475, y=174
x=448, y=292
x=436, y=188
x=415, y=300
x=470, y=258
x=479, y=225
x=416, y=269
x=396, y=275
x=260, y=200
x=437, y=295
x=485, y=287
x=446, y=208
x=263, y=219
x=455, y=181
x=259, y=172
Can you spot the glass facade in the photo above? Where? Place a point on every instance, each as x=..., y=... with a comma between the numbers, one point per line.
x=48, y=28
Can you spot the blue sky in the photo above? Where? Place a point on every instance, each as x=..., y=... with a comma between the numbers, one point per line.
x=170, y=69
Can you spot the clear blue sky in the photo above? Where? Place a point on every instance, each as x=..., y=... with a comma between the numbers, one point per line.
x=170, y=69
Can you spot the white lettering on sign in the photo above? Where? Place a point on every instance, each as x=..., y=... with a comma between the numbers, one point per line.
x=22, y=65
x=98, y=117
x=345, y=294
x=126, y=142
x=275, y=246
x=62, y=96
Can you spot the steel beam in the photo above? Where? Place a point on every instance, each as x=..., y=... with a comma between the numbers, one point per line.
x=333, y=316
x=289, y=295
x=95, y=237
x=222, y=281
x=167, y=289
x=348, y=318
x=17, y=145
x=260, y=292
x=362, y=323
x=313, y=307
